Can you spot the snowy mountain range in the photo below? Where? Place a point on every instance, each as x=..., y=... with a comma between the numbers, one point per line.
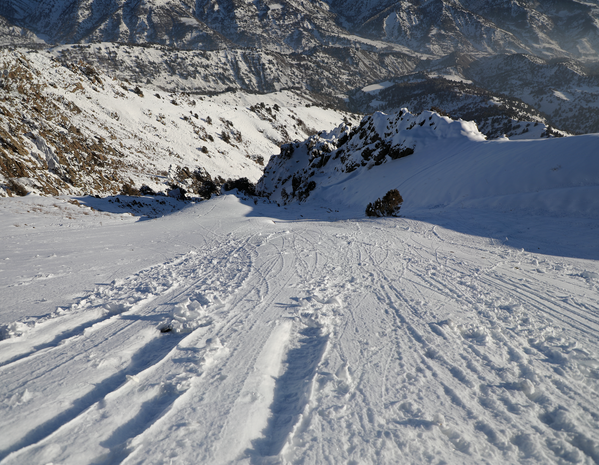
x=544, y=55
x=192, y=264
x=335, y=48
x=549, y=29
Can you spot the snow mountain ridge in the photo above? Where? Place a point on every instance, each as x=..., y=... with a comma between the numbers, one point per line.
x=435, y=163
x=549, y=29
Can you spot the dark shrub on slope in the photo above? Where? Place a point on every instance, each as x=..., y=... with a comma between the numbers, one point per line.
x=242, y=185
x=389, y=205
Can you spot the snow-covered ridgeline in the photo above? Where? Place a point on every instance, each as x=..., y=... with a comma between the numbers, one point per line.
x=436, y=162
x=449, y=92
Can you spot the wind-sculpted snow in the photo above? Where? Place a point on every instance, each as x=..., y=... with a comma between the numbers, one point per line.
x=435, y=162
x=249, y=334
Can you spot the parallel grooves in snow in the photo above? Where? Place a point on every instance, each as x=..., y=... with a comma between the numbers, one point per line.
x=372, y=341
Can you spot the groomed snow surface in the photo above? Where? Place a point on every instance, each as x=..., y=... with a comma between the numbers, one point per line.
x=234, y=331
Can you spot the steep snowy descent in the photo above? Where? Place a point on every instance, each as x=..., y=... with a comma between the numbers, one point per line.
x=372, y=341
x=237, y=331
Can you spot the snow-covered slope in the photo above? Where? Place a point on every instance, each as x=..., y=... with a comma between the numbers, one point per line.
x=436, y=162
x=294, y=330
x=441, y=27
x=186, y=24
x=330, y=71
x=73, y=129
x=238, y=333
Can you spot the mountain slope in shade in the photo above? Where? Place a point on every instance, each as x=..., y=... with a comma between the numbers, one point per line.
x=11, y=35
x=328, y=71
x=564, y=90
x=179, y=23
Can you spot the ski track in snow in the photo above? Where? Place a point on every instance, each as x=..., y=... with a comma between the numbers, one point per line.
x=352, y=341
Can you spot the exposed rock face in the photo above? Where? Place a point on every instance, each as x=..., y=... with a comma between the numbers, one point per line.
x=40, y=145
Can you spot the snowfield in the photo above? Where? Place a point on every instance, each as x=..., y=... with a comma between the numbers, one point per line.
x=229, y=332
x=236, y=331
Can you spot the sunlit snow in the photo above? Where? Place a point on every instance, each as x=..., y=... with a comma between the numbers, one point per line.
x=236, y=331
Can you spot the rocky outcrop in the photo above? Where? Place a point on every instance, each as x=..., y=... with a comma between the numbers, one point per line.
x=328, y=158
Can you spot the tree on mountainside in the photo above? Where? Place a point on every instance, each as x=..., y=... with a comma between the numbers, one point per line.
x=389, y=205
